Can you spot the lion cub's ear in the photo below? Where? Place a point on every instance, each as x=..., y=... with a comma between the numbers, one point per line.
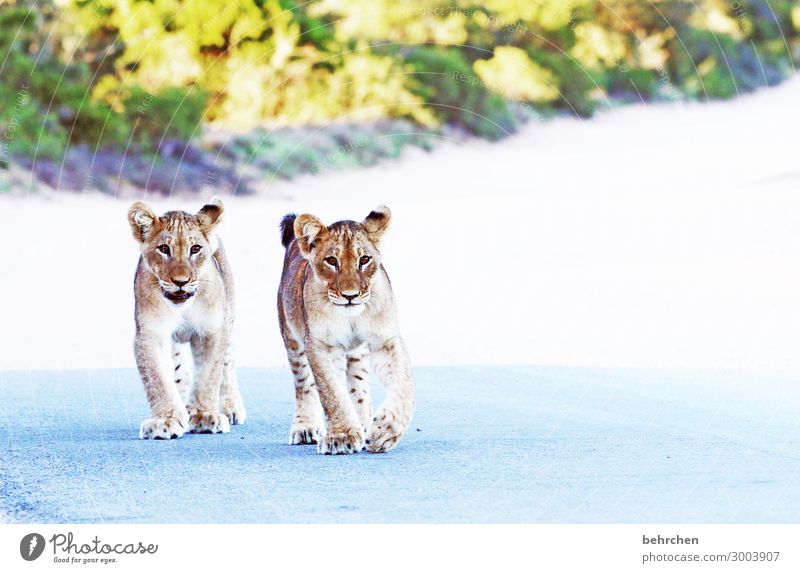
x=377, y=222
x=308, y=230
x=142, y=220
x=211, y=214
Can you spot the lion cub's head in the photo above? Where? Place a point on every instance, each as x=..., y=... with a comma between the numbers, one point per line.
x=177, y=246
x=344, y=256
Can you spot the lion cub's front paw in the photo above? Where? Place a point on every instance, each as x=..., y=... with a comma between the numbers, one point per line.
x=384, y=433
x=201, y=422
x=163, y=428
x=350, y=441
x=235, y=413
x=305, y=433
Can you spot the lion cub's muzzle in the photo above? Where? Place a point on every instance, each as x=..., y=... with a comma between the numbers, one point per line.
x=184, y=291
x=178, y=297
x=348, y=300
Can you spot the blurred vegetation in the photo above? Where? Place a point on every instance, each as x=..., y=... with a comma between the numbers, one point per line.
x=139, y=74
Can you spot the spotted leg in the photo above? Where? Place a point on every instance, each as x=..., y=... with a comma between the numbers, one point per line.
x=392, y=365
x=307, y=424
x=182, y=357
x=358, y=383
x=231, y=403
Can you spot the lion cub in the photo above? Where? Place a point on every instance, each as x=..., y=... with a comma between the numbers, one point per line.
x=337, y=312
x=184, y=294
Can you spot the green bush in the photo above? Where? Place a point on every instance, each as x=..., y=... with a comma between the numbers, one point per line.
x=629, y=84
x=174, y=114
x=25, y=127
x=716, y=66
x=47, y=104
x=447, y=82
x=576, y=82
x=148, y=72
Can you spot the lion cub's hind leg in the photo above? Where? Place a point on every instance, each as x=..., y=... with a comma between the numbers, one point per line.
x=307, y=424
x=182, y=357
x=358, y=383
x=231, y=403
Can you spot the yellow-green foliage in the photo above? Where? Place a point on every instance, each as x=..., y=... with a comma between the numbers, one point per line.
x=136, y=72
x=511, y=72
x=254, y=60
x=575, y=53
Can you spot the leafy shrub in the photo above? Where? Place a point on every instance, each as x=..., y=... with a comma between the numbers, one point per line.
x=458, y=96
x=716, y=66
x=46, y=104
x=174, y=114
x=141, y=75
x=24, y=128
x=576, y=83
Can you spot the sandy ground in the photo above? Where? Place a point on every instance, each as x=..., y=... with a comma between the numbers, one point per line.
x=487, y=445
x=648, y=237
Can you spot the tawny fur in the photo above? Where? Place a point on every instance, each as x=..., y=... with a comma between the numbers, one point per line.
x=184, y=306
x=337, y=314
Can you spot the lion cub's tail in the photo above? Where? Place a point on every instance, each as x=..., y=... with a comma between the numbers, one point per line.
x=287, y=229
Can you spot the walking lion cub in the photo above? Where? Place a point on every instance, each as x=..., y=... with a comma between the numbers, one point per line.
x=337, y=313
x=184, y=303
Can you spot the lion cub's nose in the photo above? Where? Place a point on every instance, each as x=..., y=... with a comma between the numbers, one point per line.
x=179, y=283
x=349, y=296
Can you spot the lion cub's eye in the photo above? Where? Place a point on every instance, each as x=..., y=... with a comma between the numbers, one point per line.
x=164, y=249
x=364, y=260
x=332, y=261
x=195, y=249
